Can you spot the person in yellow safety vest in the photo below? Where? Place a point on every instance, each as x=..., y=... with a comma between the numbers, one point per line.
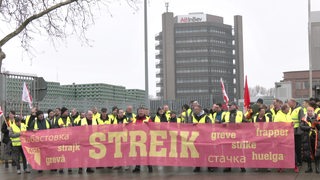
x=52, y=119
x=40, y=123
x=233, y=116
x=88, y=121
x=283, y=114
x=268, y=112
x=141, y=118
x=200, y=117
x=30, y=118
x=57, y=114
x=95, y=112
x=316, y=102
x=173, y=117
x=166, y=111
x=160, y=116
x=75, y=116
x=277, y=104
x=147, y=112
x=14, y=133
x=7, y=123
x=296, y=115
x=261, y=116
x=216, y=113
x=129, y=113
x=113, y=115
x=81, y=116
x=186, y=114
x=310, y=125
x=253, y=110
x=64, y=120
x=103, y=118
x=121, y=117
x=305, y=105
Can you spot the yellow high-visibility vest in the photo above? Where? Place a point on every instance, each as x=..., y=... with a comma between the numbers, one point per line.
x=16, y=141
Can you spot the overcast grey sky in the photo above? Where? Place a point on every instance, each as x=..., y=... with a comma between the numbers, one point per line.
x=275, y=40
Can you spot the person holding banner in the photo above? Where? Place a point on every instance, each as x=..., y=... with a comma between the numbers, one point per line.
x=166, y=110
x=283, y=115
x=95, y=112
x=64, y=122
x=129, y=114
x=7, y=123
x=199, y=116
x=261, y=116
x=104, y=118
x=141, y=118
x=39, y=123
x=113, y=115
x=186, y=114
x=160, y=116
x=173, y=117
x=310, y=126
x=88, y=121
x=75, y=116
x=217, y=113
x=17, y=151
x=121, y=117
x=233, y=116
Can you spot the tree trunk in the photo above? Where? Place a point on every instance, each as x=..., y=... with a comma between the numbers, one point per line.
x=2, y=56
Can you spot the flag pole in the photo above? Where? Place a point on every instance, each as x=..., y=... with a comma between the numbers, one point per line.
x=21, y=106
x=2, y=116
x=5, y=121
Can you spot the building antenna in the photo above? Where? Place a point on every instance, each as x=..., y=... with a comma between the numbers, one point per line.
x=167, y=6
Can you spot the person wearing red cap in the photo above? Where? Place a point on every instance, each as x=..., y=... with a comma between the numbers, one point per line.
x=141, y=118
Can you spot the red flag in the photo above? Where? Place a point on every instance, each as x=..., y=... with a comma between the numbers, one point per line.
x=224, y=94
x=246, y=95
x=26, y=96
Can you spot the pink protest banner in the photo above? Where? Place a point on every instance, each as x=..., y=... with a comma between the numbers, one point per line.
x=256, y=145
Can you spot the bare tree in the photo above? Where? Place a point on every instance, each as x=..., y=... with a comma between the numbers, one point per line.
x=261, y=91
x=55, y=18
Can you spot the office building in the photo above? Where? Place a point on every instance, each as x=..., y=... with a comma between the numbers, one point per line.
x=194, y=52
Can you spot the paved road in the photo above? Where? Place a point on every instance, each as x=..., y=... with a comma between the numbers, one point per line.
x=176, y=173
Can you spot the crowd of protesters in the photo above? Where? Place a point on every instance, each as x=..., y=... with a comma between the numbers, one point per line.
x=305, y=120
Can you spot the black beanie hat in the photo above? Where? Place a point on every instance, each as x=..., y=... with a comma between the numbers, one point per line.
x=63, y=109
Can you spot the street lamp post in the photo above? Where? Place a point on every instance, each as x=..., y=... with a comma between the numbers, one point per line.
x=310, y=52
x=146, y=53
